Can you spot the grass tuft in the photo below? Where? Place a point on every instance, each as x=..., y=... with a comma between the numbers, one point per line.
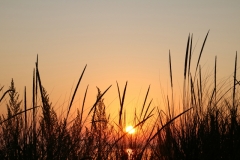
x=206, y=126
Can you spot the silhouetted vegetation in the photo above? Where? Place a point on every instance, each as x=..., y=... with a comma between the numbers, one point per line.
x=207, y=125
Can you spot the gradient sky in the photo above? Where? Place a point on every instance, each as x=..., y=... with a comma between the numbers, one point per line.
x=118, y=40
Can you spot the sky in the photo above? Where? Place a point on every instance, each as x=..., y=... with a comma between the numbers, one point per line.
x=118, y=40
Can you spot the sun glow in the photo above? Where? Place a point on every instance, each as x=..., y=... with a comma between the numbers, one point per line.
x=130, y=130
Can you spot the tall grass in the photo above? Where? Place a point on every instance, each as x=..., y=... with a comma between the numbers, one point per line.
x=206, y=127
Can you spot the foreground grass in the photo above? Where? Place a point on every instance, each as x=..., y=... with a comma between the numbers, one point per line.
x=207, y=128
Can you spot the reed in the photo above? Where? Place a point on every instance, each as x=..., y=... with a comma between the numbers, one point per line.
x=206, y=126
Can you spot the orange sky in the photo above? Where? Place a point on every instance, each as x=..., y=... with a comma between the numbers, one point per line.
x=118, y=40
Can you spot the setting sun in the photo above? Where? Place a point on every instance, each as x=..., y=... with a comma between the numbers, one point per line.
x=130, y=129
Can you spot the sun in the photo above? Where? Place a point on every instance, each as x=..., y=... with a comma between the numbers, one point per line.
x=130, y=130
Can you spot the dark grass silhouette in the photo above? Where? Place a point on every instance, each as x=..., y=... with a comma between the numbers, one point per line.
x=208, y=126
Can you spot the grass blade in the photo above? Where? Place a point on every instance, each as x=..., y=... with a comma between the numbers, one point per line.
x=169, y=122
x=75, y=91
x=5, y=120
x=5, y=94
x=98, y=100
x=186, y=57
x=85, y=95
x=201, y=52
x=190, y=56
x=170, y=66
x=234, y=80
x=144, y=102
x=121, y=102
